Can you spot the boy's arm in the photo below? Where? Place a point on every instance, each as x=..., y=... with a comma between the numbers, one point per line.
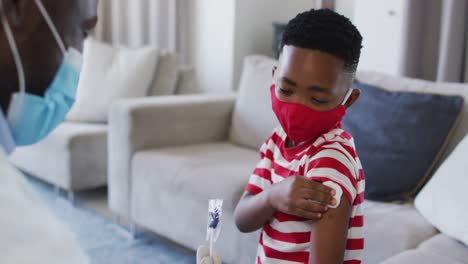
x=253, y=211
x=296, y=196
x=329, y=235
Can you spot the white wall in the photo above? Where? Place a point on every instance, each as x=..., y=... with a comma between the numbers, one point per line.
x=346, y=7
x=384, y=27
x=254, y=27
x=211, y=43
x=223, y=32
x=388, y=33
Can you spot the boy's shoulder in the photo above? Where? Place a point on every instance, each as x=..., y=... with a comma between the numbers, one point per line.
x=337, y=136
x=337, y=142
x=336, y=148
x=276, y=137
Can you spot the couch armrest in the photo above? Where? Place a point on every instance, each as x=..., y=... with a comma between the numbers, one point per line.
x=156, y=122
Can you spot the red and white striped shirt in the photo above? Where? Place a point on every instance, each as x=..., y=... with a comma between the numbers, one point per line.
x=331, y=158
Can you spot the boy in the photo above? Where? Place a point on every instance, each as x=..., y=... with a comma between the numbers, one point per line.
x=303, y=220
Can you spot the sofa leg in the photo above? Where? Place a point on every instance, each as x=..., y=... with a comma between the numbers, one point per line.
x=56, y=191
x=116, y=219
x=71, y=197
x=127, y=227
x=133, y=230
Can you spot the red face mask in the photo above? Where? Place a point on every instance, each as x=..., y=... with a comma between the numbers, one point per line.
x=302, y=123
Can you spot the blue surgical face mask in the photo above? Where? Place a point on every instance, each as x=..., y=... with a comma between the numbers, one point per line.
x=30, y=117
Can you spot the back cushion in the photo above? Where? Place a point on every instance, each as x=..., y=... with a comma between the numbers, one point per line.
x=110, y=74
x=399, y=136
x=443, y=200
x=393, y=83
x=253, y=119
x=167, y=73
x=186, y=82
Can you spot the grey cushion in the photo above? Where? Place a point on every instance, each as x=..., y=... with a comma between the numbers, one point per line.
x=394, y=83
x=201, y=171
x=399, y=137
x=167, y=72
x=439, y=249
x=73, y=156
x=171, y=188
x=416, y=257
x=392, y=228
x=253, y=119
x=186, y=82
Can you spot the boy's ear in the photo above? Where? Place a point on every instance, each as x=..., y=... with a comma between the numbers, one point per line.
x=353, y=98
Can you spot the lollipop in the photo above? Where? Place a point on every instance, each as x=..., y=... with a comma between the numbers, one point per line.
x=215, y=210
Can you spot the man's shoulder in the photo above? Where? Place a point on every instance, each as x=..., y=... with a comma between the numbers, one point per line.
x=39, y=239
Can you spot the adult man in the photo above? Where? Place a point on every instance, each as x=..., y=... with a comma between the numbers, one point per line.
x=40, y=63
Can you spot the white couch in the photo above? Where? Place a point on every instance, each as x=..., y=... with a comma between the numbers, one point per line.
x=169, y=155
x=74, y=156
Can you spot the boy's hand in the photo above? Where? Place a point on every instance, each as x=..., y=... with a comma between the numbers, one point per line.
x=301, y=197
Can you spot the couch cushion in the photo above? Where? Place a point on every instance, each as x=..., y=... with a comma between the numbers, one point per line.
x=392, y=228
x=445, y=246
x=253, y=119
x=443, y=200
x=206, y=171
x=416, y=257
x=170, y=190
x=73, y=156
x=399, y=137
x=168, y=179
x=438, y=249
x=394, y=83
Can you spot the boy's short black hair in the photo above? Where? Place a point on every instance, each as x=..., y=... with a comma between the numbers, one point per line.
x=327, y=31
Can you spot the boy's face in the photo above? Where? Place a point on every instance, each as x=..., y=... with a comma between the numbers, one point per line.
x=313, y=78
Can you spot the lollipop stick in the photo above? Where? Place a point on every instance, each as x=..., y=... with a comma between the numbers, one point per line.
x=211, y=242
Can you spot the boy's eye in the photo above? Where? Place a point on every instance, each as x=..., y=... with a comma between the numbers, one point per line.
x=286, y=92
x=317, y=101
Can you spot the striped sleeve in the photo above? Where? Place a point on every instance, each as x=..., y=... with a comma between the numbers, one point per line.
x=261, y=176
x=334, y=164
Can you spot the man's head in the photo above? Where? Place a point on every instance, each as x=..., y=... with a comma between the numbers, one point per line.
x=319, y=56
x=40, y=53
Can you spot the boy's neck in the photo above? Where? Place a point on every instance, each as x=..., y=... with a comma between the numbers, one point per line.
x=291, y=144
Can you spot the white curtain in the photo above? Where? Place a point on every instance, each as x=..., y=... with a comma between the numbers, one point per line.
x=143, y=22
x=452, y=52
x=439, y=41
